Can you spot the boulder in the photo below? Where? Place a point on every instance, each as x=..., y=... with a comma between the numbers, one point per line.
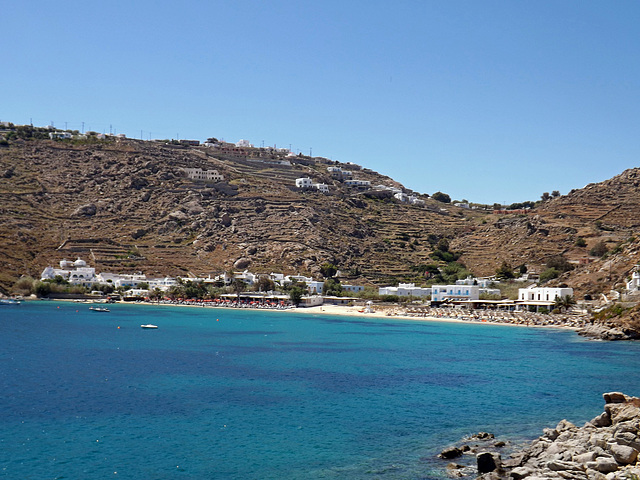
x=241, y=263
x=179, y=216
x=519, y=473
x=87, y=210
x=606, y=465
x=614, y=397
x=602, y=420
x=488, y=462
x=621, y=412
x=623, y=454
x=452, y=452
x=557, y=465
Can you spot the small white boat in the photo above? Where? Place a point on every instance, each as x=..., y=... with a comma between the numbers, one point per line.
x=9, y=301
x=99, y=309
x=149, y=326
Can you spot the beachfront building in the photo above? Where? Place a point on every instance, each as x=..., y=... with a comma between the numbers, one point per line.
x=405, y=290
x=126, y=280
x=315, y=287
x=163, y=284
x=199, y=174
x=76, y=273
x=352, y=288
x=442, y=293
x=543, y=294
x=246, y=276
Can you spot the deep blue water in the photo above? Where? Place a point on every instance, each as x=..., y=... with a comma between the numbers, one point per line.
x=239, y=394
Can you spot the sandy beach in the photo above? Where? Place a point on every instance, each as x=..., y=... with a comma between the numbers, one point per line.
x=452, y=315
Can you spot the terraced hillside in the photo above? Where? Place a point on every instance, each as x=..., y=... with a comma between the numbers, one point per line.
x=127, y=206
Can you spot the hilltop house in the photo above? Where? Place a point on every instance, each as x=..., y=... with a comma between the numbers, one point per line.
x=199, y=174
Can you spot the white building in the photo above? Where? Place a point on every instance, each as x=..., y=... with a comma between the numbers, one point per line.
x=246, y=276
x=199, y=174
x=243, y=144
x=481, y=282
x=62, y=135
x=633, y=285
x=131, y=280
x=163, y=284
x=76, y=273
x=543, y=294
x=322, y=187
x=358, y=183
x=403, y=197
x=405, y=290
x=441, y=293
x=304, y=182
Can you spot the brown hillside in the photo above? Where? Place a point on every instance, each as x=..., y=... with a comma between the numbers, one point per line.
x=127, y=206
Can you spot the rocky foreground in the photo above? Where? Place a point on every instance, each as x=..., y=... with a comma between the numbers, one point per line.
x=606, y=448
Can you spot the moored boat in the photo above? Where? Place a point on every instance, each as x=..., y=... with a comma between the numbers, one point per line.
x=99, y=309
x=149, y=326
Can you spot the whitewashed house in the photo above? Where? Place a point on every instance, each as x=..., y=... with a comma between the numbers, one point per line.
x=358, y=183
x=405, y=290
x=633, y=285
x=199, y=174
x=76, y=273
x=543, y=294
x=440, y=293
x=322, y=187
x=304, y=182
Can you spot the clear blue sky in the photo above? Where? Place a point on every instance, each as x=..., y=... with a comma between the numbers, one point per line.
x=491, y=101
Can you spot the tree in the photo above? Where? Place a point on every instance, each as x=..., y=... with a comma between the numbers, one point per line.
x=549, y=274
x=265, y=284
x=328, y=270
x=523, y=269
x=599, y=249
x=441, y=197
x=331, y=287
x=555, y=193
x=564, y=303
x=295, y=294
x=559, y=263
x=505, y=271
x=42, y=289
x=443, y=245
x=238, y=287
x=545, y=196
x=581, y=242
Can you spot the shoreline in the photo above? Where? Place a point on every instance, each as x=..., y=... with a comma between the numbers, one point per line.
x=482, y=317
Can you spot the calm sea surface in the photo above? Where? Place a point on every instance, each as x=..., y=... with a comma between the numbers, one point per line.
x=239, y=394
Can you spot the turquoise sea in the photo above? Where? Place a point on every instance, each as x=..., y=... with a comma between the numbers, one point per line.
x=244, y=394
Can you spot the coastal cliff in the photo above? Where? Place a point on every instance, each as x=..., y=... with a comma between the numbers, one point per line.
x=606, y=448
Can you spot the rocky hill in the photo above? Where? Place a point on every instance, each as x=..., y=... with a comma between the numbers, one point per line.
x=127, y=205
